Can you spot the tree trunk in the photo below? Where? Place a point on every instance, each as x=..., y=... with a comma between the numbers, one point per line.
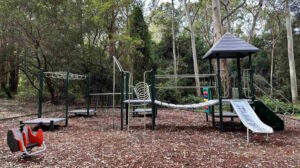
x=173, y=43
x=196, y=70
x=3, y=79
x=225, y=77
x=289, y=32
x=226, y=3
x=14, y=73
x=272, y=66
x=255, y=17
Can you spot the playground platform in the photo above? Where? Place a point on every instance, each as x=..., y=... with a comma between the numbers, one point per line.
x=45, y=122
x=83, y=112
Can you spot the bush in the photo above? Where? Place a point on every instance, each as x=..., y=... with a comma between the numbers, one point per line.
x=169, y=95
x=279, y=106
x=189, y=99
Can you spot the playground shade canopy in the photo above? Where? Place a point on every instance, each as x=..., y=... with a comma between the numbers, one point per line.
x=230, y=46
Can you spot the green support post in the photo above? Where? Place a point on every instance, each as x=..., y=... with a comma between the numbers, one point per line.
x=211, y=83
x=41, y=93
x=127, y=96
x=219, y=92
x=153, y=97
x=207, y=96
x=239, y=77
x=67, y=98
x=88, y=94
x=251, y=78
x=122, y=99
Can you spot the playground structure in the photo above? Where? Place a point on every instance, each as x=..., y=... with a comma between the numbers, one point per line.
x=253, y=113
x=67, y=76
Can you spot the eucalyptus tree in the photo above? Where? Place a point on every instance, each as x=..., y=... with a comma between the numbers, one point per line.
x=289, y=31
x=190, y=20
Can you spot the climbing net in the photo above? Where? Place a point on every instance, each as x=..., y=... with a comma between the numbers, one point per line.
x=63, y=75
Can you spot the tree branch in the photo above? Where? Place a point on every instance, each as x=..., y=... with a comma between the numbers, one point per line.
x=233, y=11
x=31, y=82
x=195, y=15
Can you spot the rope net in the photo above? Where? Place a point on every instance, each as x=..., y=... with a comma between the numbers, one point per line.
x=63, y=75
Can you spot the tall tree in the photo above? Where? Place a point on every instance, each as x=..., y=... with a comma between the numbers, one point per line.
x=255, y=15
x=138, y=31
x=218, y=32
x=192, y=33
x=289, y=32
x=173, y=43
x=225, y=3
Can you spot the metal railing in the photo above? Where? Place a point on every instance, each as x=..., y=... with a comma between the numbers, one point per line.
x=263, y=89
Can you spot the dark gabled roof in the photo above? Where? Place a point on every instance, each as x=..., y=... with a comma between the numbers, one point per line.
x=230, y=46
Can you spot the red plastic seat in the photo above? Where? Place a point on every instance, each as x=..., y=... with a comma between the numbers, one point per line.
x=25, y=141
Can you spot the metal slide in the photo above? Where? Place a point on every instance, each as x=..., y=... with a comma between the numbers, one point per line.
x=249, y=117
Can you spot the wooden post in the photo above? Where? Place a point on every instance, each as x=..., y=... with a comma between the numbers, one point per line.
x=88, y=95
x=219, y=93
x=67, y=98
x=153, y=97
x=127, y=96
x=239, y=78
x=41, y=93
x=122, y=99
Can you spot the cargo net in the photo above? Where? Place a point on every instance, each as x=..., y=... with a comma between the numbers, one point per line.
x=63, y=75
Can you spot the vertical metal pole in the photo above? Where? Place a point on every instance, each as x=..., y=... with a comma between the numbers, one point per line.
x=248, y=138
x=239, y=77
x=88, y=94
x=153, y=95
x=51, y=125
x=251, y=78
x=67, y=98
x=127, y=95
x=122, y=98
x=211, y=93
x=41, y=93
x=219, y=93
x=114, y=87
x=96, y=102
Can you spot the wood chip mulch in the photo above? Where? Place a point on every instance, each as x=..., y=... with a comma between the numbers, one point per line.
x=181, y=139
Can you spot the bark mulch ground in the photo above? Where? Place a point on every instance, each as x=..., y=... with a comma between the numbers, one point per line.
x=181, y=139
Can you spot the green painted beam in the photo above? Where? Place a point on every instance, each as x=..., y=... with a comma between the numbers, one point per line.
x=41, y=93
x=153, y=97
x=88, y=94
x=67, y=98
x=219, y=93
x=127, y=96
x=239, y=78
x=122, y=99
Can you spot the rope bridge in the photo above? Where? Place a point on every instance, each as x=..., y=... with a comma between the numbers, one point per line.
x=179, y=106
x=187, y=106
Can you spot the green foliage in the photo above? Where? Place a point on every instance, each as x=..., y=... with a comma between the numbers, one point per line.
x=169, y=95
x=191, y=99
x=280, y=107
x=82, y=36
x=138, y=31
